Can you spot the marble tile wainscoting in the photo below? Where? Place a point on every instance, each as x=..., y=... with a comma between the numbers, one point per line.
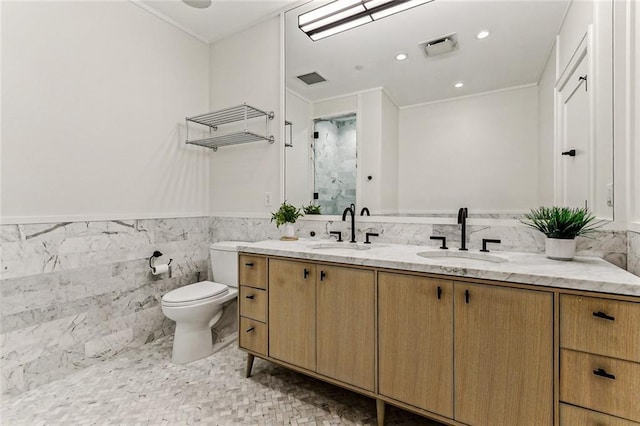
x=633, y=252
x=73, y=294
x=609, y=245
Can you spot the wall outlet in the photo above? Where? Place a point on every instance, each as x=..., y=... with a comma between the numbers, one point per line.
x=268, y=196
x=610, y=195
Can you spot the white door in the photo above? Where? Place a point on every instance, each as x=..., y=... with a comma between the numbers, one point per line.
x=576, y=133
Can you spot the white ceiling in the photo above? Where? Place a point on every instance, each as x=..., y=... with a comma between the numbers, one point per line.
x=522, y=35
x=222, y=18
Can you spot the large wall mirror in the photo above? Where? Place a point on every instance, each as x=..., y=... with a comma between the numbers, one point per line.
x=418, y=114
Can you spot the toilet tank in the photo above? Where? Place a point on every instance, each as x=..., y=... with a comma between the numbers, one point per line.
x=224, y=262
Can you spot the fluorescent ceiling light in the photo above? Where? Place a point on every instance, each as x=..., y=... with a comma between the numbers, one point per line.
x=393, y=7
x=483, y=34
x=343, y=27
x=342, y=15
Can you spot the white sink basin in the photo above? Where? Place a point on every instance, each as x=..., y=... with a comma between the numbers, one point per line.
x=336, y=245
x=457, y=254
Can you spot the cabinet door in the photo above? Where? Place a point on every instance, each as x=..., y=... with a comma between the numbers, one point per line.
x=292, y=312
x=345, y=325
x=503, y=356
x=415, y=341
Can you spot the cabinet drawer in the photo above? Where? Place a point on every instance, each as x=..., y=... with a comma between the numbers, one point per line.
x=253, y=271
x=253, y=335
x=253, y=303
x=600, y=326
x=582, y=383
x=571, y=416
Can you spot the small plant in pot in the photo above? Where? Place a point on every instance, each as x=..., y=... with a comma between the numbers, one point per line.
x=561, y=225
x=286, y=216
x=311, y=209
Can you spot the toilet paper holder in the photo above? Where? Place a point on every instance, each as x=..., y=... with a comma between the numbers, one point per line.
x=154, y=256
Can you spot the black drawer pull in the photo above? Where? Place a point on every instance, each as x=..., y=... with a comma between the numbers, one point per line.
x=602, y=315
x=439, y=292
x=466, y=296
x=249, y=330
x=251, y=297
x=323, y=275
x=603, y=373
x=250, y=265
x=306, y=273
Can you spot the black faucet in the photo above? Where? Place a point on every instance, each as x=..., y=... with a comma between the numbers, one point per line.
x=462, y=220
x=351, y=209
x=365, y=210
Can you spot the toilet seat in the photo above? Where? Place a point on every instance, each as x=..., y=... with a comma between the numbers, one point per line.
x=204, y=291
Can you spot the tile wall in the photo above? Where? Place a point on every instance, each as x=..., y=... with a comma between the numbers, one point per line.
x=633, y=250
x=73, y=294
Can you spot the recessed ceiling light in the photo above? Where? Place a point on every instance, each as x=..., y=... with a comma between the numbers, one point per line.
x=198, y=4
x=359, y=67
x=401, y=56
x=483, y=34
x=458, y=85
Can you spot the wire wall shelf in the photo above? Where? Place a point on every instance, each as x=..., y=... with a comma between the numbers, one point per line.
x=238, y=114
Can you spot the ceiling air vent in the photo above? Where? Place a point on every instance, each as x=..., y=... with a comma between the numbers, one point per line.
x=312, y=78
x=440, y=46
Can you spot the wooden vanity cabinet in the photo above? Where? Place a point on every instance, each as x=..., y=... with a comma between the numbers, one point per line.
x=503, y=355
x=600, y=359
x=292, y=312
x=415, y=341
x=345, y=327
x=322, y=319
x=464, y=352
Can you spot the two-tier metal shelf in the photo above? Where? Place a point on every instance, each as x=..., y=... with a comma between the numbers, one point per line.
x=241, y=113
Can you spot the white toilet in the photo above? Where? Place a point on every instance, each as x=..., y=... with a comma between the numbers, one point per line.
x=197, y=307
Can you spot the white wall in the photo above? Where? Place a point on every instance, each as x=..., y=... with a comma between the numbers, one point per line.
x=479, y=152
x=93, y=105
x=298, y=187
x=546, y=132
x=369, y=159
x=389, y=155
x=245, y=67
x=634, y=174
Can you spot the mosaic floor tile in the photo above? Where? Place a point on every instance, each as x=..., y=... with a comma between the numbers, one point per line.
x=142, y=387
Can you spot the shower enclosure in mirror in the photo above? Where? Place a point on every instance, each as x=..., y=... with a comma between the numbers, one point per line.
x=481, y=120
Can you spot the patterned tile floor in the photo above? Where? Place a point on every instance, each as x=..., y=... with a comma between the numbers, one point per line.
x=142, y=387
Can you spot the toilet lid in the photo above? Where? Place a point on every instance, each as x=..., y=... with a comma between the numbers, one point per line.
x=197, y=291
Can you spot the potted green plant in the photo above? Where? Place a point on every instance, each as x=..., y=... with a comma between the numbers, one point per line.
x=311, y=209
x=286, y=216
x=561, y=225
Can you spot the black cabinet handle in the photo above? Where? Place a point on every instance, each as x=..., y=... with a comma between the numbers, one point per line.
x=305, y=273
x=466, y=296
x=439, y=292
x=322, y=275
x=602, y=315
x=250, y=297
x=249, y=330
x=603, y=373
x=570, y=153
x=250, y=265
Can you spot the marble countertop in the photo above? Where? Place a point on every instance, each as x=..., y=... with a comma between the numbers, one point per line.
x=582, y=273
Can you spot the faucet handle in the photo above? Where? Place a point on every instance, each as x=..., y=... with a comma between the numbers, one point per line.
x=338, y=233
x=370, y=234
x=443, y=239
x=488, y=240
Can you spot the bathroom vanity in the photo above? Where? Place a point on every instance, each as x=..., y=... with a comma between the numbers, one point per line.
x=508, y=339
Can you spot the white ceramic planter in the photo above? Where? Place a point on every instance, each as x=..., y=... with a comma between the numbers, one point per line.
x=288, y=230
x=559, y=249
